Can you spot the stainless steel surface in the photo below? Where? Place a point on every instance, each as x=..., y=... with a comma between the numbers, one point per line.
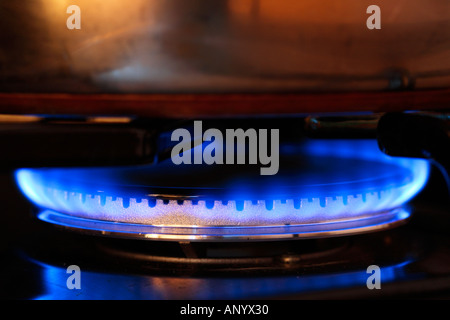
x=223, y=46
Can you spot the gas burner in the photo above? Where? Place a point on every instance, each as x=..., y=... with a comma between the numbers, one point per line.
x=218, y=258
x=324, y=188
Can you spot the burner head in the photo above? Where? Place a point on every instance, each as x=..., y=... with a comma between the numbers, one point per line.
x=323, y=188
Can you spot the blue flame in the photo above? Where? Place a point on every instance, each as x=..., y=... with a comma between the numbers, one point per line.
x=377, y=183
x=368, y=150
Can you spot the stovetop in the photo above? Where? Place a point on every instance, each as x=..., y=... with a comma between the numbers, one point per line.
x=414, y=261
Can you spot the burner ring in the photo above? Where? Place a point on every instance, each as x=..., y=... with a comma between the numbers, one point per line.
x=379, y=221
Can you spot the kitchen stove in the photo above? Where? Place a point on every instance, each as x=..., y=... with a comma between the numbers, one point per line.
x=253, y=257
x=414, y=261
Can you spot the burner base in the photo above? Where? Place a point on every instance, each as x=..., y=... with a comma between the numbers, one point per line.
x=369, y=223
